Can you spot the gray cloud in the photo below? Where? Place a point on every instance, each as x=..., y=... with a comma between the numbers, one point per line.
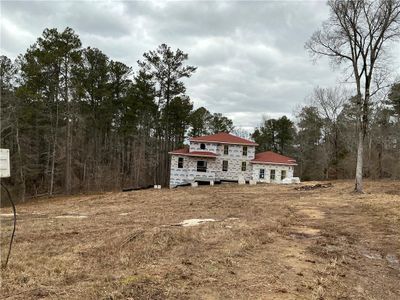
x=250, y=55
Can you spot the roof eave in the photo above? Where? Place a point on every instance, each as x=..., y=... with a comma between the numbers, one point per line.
x=272, y=163
x=177, y=153
x=193, y=155
x=219, y=142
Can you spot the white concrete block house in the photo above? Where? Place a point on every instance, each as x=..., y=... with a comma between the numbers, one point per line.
x=223, y=156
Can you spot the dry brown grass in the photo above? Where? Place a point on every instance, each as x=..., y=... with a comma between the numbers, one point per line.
x=285, y=244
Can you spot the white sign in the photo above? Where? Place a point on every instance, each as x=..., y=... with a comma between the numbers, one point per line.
x=4, y=163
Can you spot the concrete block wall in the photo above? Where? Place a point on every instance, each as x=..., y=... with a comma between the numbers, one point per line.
x=235, y=158
x=236, y=151
x=267, y=172
x=234, y=169
x=210, y=147
x=189, y=172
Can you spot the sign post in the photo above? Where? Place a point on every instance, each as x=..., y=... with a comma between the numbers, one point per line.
x=4, y=163
x=5, y=172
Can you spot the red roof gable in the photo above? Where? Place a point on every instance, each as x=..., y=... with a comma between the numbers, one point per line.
x=223, y=138
x=273, y=158
x=185, y=152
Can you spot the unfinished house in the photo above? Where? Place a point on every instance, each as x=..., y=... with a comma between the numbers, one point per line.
x=225, y=157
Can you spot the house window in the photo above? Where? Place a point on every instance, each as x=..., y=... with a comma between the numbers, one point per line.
x=262, y=173
x=226, y=149
x=272, y=176
x=243, y=166
x=201, y=166
x=225, y=165
x=202, y=146
x=244, y=150
x=180, y=162
x=283, y=174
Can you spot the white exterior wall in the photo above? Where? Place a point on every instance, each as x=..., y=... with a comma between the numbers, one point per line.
x=235, y=158
x=189, y=173
x=210, y=147
x=267, y=173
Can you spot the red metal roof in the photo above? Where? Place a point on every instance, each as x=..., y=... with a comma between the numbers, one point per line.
x=185, y=152
x=273, y=158
x=223, y=138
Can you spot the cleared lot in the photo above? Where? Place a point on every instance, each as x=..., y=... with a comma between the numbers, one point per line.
x=264, y=242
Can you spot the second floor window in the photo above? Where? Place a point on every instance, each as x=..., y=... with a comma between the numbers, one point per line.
x=180, y=162
x=225, y=165
x=244, y=150
x=202, y=146
x=272, y=175
x=226, y=149
x=243, y=166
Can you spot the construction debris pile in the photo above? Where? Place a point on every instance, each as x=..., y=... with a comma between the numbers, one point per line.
x=314, y=187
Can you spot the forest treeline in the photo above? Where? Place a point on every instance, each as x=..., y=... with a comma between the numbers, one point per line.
x=77, y=121
x=323, y=136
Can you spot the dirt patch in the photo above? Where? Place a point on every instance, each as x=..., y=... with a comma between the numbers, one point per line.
x=7, y=215
x=307, y=231
x=312, y=213
x=194, y=222
x=71, y=217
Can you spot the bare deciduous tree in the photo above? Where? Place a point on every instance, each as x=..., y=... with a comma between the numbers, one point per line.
x=330, y=103
x=356, y=34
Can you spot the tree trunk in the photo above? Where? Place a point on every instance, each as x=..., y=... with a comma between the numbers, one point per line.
x=369, y=156
x=380, y=154
x=21, y=169
x=53, y=158
x=68, y=156
x=336, y=146
x=361, y=134
x=398, y=148
x=52, y=168
x=68, y=135
x=359, y=168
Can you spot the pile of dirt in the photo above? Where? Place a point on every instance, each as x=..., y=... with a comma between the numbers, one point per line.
x=314, y=187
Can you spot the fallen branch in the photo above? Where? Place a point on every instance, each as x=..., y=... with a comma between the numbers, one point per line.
x=132, y=237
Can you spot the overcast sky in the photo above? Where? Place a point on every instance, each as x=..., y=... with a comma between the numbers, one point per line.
x=250, y=55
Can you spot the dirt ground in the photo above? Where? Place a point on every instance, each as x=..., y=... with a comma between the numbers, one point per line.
x=267, y=242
